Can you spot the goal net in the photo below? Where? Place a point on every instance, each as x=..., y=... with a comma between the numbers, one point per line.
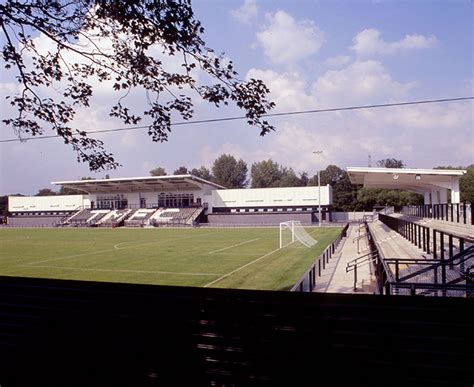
x=293, y=231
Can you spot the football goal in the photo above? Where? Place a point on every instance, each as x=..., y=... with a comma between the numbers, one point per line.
x=293, y=231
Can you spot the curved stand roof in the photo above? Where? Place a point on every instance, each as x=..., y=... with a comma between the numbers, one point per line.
x=423, y=181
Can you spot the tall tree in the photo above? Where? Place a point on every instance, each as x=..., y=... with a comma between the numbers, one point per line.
x=159, y=171
x=466, y=185
x=181, y=171
x=370, y=197
x=391, y=163
x=122, y=42
x=266, y=173
x=46, y=192
x=229, y=172
x=466, y=182
x=3, y=206
x=304, y=179
x=289, y=178
x=344, y=193
x=70, y=191
x=203, y=173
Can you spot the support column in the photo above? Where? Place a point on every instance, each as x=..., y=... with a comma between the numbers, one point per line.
x=443, y=196
x=427, y=197
x=455, y=191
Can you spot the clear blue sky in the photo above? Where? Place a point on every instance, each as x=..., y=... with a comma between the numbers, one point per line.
x=312, y=54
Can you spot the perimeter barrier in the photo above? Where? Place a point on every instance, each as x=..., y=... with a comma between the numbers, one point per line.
x=451, y=212
x=440, y=244
x=79, y=333
x=307, y=282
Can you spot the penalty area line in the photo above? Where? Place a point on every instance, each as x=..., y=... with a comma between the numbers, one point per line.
x=236, y=245
x=240, y=268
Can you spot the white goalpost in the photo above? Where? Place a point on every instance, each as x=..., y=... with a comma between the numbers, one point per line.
x=293, y=231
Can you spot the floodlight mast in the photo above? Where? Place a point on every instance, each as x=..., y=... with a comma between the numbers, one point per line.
x=319, y=152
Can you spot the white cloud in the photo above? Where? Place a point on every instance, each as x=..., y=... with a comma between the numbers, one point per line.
x=369, y=42
x=247, y=12
x=359, y=83
x=288, y=90
x=337, y=61
x=8, y=88
x=287, y=41
x=423, y=136
x=423, y=119
x=348, y=137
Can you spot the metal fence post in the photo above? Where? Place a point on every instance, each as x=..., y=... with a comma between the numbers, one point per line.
x=355, y=277
x=428, y=240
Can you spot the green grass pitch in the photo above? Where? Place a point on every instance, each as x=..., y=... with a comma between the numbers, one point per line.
x=246, y=258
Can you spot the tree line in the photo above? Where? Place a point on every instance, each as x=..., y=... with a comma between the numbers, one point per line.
x=229, y=172
x=232, y=173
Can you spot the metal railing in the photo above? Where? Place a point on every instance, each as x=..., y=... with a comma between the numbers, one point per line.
x=307, y=282
x=451, y=212
x=432, y=241
x=358, y=239
x=390, y=282
x=366, y=259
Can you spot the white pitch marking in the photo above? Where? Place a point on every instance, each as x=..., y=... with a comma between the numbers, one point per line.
x=240, y=268
x=236, y=254
x=109, y=250
x=237, y=244
x=15, y=239
x=117, y=270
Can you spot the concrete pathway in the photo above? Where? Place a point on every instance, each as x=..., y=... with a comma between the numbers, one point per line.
x=335, y=279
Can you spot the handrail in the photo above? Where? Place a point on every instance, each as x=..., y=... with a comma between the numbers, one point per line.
x=428, y=239
x=450, y=212
x=359, y=237
x=461, y=257
x=387, y=284
x=467, y=289
x=365, y=257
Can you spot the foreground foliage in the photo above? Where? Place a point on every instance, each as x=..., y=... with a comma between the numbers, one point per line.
x=124, y=44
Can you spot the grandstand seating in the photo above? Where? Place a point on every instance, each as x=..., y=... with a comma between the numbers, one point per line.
x=175, y=216
x=114, y=218
x=139, y=218
x=133, y=218
x=418, y=260
x=86, y=217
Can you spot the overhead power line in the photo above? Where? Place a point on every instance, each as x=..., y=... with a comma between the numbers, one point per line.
x=224, y=119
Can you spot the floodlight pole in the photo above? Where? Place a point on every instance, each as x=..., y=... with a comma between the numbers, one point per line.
x=318, y=152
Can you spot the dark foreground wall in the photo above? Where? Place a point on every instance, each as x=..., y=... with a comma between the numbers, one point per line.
x=71, y=333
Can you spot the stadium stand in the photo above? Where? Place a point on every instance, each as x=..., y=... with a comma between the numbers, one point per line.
x=114, y=218
x=86, y=218
x=414, y=259
x=139, y=218
x=175, y=216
